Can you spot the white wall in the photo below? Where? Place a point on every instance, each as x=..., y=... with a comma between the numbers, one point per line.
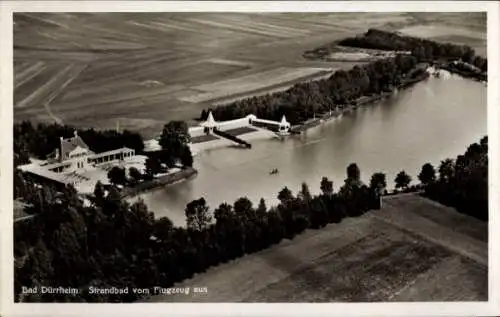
x=233, y=124
x=196, y=131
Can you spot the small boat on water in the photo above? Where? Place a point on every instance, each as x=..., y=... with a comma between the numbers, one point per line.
x=274, y=171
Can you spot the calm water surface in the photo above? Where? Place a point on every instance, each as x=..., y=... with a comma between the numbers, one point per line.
x=431, y=121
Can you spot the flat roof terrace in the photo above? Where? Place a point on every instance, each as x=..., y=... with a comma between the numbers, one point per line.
x=240, y=131
x=203, y=138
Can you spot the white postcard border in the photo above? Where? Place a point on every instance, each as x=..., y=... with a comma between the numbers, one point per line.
x=7, y=307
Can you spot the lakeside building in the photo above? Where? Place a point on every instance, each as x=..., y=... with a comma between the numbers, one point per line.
x=211, y=134
x=75, y=164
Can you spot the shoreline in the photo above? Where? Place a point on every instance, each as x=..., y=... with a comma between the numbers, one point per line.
x=361, y=101
x=473, y=75
x=162, y=181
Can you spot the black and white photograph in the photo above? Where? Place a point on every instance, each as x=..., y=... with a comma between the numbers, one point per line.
x=250, y=157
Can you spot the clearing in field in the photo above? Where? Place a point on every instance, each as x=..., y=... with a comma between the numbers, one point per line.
x=412, y=249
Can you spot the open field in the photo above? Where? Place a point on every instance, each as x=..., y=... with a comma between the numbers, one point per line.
x=457, y=34
x=276, y=77
x=144, y=69
x=404, y=252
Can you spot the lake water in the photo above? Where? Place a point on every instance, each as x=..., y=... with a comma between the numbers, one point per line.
x=431, y=121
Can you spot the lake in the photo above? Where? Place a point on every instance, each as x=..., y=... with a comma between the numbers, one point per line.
x=433, y=120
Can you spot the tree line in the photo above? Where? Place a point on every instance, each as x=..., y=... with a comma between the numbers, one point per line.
x=341, y=90
x=110, y=242
x=422, y=49
x=462, y=182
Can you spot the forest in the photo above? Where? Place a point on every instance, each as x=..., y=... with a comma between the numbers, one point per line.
x=112, y=243
x=422, y=49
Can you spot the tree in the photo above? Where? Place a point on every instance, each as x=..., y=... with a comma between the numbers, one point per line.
x=204, y=114
x=402, y=180
x=153, y=166
x=174, y=134
x=99, y=193
x=446, y=170
x=135, y=174
x=326, y=186
x=427, y=174
x=304, y=193
x=353, y=172
x=223, y=212
x=262, y=208
x=162, y=228
x=418, y=52
x=468, y=54
x=285, y=195
x=242, y=206
x=116, y=175
x=378, y=183
x=173, y=140
x=197, y=214
x=352, y=182
x=186, y=156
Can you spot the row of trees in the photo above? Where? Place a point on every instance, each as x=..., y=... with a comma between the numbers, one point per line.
x=113, y=243
x=304, y=100
x=463, y=182
x=41, y=140
x=422, y=49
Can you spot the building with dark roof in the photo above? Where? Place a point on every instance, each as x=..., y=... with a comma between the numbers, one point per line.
x=69, y=146
x=79, y=166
